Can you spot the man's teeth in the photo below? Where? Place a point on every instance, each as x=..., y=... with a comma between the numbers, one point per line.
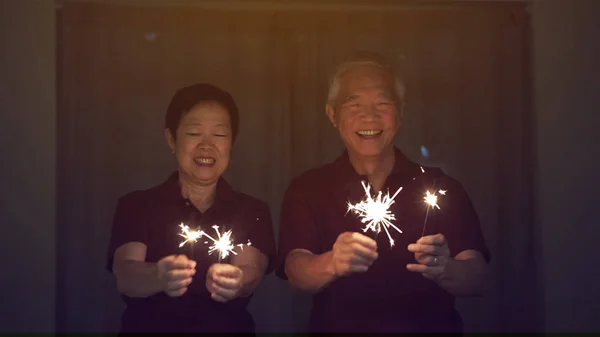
x=369, y=132
x=205, y=160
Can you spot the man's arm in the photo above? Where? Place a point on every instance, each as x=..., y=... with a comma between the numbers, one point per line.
x=351, y=253
x=309, y=272
x=465, y=274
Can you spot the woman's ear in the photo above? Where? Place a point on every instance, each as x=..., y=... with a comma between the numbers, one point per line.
x=170, y=140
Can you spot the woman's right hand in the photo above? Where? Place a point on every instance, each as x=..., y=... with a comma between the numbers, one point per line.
x=175, y=272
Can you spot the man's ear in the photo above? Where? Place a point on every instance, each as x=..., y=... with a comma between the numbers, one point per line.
x=330, y=112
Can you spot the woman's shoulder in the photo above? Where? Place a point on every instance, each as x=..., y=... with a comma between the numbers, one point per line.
x=249, y=201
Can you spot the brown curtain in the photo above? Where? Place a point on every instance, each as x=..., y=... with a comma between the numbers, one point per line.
x=465, y=68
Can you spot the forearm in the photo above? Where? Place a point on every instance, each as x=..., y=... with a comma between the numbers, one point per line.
x=251, y=278
x=309, y=272
x=464, y=278
x=137, y=279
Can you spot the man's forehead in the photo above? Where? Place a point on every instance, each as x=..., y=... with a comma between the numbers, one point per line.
x=366, y=76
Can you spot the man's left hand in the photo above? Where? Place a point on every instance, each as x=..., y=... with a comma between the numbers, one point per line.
x=432, y=254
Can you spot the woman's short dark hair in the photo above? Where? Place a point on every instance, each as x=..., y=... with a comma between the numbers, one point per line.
x=187, y=98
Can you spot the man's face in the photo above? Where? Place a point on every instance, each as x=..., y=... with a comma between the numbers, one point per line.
x=366, y=111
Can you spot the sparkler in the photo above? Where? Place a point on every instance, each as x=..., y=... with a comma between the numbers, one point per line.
x=223, y=244
x=431, y=199
x=190, y=236
x=375, y=212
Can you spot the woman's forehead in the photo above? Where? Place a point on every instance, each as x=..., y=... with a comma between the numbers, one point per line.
x=206, y=112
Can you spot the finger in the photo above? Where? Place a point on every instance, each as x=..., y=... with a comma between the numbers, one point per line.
x=364, y=252
x=423, y=269
x=176, y=293
x=426, y=249
x=189, y=263
x=180, y=274
x=437, y=239
x=357, y=260
x=227, y=283
x=228, y=270
x=427, y=259
x=226, y=293
x=180, y=262
x=174, y=285
x=218, y=298
x=363, y=240
x=358, y=268
x=429, y=276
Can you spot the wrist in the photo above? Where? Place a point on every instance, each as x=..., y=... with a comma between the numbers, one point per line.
x=447, y=272
x=330, y=269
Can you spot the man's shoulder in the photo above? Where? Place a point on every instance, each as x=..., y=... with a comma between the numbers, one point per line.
x=312, y=179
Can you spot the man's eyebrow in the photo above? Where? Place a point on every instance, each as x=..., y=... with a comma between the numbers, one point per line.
x=350, y=98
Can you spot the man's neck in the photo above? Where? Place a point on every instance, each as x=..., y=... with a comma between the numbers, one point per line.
x=376, y=168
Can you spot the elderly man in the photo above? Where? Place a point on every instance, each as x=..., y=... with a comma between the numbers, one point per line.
x=361, y=283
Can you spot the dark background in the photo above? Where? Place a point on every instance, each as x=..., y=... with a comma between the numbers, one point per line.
x=503, y=94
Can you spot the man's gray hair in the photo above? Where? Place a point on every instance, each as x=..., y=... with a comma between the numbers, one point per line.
x=364, y=58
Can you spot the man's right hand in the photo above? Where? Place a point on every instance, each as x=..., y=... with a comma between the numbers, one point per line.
x=175, y=272
x=353, y=253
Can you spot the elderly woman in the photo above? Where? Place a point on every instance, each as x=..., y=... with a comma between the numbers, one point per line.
x=168, y=288
x=361, y=284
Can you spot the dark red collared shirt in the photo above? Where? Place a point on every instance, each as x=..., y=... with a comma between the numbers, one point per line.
x=388, y=297
x=153, y=217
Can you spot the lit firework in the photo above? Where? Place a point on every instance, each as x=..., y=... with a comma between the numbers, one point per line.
x=375, y=212
x=223, y=244
x=431, y=199
x=188, y=234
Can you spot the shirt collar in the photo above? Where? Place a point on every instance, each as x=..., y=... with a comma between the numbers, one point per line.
x=346, y=172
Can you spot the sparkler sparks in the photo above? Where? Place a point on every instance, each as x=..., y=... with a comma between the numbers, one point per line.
x=431, y=199
x=188, y=234
x=223, y=244
x=375, y=212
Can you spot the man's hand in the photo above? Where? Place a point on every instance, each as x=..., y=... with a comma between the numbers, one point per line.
x=175, y=272
x=432, y=254
x=353, y=253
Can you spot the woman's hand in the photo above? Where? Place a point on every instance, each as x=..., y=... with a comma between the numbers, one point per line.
x=175, y=273
x=224, y=282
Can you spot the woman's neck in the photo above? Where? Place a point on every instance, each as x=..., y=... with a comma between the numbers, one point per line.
x=202, y=196
x=376, y=168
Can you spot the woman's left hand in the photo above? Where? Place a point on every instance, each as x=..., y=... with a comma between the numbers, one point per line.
x=432, y=254
x=224, y=282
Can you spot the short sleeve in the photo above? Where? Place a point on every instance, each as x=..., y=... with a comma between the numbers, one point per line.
x=260, y=231
x=297, y=226
x=128, y=225
x=461, y=225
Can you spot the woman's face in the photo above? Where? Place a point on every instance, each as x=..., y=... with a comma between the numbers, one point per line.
x=203, y=143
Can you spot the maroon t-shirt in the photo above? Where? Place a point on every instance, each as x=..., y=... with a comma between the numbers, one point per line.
x=153, y=217
x=388, y=297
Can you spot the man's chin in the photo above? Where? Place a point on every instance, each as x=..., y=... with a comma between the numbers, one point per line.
x=367, y=152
